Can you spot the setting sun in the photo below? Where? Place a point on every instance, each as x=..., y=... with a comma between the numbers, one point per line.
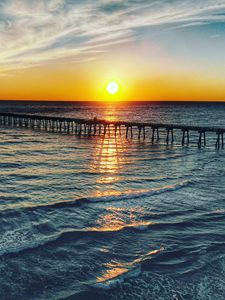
x=112, y=87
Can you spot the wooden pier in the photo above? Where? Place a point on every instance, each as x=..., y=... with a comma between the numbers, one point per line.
x=89, y=127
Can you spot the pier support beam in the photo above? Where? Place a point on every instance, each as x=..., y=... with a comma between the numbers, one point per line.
x=105, y=127
x=143, y=132
x=80, y=129
x=202, y=138
x=140, y=129
x=155, y=130
x=185, y=136
x=129, y=128
x=89, y=129
x=220, y=140
x=169, y=133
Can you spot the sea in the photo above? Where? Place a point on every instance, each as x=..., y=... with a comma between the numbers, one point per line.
x=105, y=217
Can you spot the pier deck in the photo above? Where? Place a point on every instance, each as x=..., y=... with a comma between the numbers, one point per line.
x=95, y=126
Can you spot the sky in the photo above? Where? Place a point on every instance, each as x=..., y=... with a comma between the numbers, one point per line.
x=71, y=49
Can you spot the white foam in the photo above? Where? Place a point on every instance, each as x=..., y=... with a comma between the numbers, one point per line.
x=14, y=241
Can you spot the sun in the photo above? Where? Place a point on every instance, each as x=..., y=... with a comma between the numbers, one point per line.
x=112, y=87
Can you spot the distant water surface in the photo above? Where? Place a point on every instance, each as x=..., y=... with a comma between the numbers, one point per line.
x=110, y=218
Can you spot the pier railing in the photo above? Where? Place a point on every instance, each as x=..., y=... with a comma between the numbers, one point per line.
x=96, y=126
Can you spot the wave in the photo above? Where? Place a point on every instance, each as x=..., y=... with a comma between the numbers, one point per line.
x=207, y=284
x=15, y=241
x=9, y=165
x=130, y=194
x=112, y=196
x=141, y=225
x=219, y=211
x=117, y=272
x=117, y=276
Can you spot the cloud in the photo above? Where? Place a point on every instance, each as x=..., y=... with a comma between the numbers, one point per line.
x=35, y=32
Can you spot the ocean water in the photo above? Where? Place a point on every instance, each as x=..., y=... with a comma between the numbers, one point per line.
x=108, y=218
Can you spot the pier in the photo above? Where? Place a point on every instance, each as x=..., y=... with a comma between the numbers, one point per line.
x=90, y=127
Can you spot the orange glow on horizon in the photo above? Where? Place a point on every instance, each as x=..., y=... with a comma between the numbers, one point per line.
x=88, y=84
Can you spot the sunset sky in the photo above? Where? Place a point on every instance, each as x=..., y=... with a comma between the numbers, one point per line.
x=71, y=49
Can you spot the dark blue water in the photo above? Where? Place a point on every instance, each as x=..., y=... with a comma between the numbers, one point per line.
x=110, y=218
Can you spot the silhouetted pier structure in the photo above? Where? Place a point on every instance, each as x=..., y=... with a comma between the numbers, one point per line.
x=96, y=126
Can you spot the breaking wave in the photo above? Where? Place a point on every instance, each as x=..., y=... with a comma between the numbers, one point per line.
x=108, y=197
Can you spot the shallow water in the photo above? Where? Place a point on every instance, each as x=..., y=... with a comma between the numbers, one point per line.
x=110, y=218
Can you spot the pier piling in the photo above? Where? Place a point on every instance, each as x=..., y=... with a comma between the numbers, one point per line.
x=88, y=127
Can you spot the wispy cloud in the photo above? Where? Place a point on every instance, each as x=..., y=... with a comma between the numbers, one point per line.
x=34, y=32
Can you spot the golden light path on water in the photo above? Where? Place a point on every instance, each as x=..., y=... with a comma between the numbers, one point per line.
x=108, y=155
x=109, y=161
x=116, y=269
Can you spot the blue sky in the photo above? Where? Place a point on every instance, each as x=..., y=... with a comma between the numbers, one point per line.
x=35, y=32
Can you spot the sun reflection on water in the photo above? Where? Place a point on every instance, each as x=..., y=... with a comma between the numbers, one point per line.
x=110, y=113
x=115, y=219
x=109, y=163
x=115, y=269
x=108, y=155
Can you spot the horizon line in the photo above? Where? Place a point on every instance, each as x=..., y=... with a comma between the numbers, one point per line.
x=112, y=102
